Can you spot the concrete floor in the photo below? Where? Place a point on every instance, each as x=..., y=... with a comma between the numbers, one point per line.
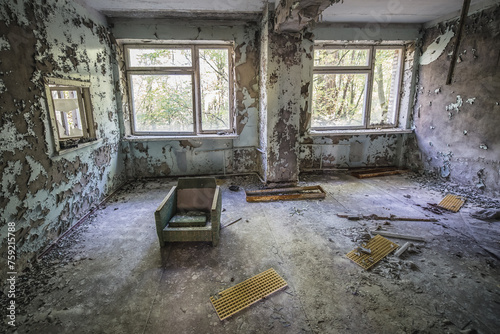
x=110, y=275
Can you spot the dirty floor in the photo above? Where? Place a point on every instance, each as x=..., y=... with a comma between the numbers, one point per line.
x=110, y=275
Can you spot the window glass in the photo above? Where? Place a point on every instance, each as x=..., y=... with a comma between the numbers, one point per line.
x=356, y=87
x=180, y=89
x=214, y=89
x=338, y=99
x=160, y=57
x=163, y=103
x=341, y=57
x=67, y=112
x=385, y=85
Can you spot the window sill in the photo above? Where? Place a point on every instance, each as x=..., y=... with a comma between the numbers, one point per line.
x=80, y=146
x=131, y=138
x=356, y=132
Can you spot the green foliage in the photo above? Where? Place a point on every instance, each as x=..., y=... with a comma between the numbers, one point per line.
x=338, y=98
x=164, y=102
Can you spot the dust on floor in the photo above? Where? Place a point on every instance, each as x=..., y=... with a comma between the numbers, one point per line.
x=110, y=275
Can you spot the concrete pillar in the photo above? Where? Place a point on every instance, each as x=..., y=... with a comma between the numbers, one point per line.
x=282, y=99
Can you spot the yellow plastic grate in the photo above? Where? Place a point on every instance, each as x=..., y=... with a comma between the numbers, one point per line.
x=452, y=202
x=246, y=293
x=380, y=247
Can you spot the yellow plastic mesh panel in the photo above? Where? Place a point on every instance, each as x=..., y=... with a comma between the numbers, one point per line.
x=380, y=247
x=244, y=294
x=452, y=202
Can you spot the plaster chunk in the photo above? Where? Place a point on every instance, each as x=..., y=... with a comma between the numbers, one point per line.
x=456, y=106
x=4, y=44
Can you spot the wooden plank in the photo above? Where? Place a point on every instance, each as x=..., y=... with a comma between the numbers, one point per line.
x=375, y=173
x=454, y=56
x=399, y=236
x=286, y=194
x=376, y=217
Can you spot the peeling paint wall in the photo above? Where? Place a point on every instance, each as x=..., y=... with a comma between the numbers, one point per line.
x=44, y=193
x=281, y=109
x=457, y=125
x=196, y=155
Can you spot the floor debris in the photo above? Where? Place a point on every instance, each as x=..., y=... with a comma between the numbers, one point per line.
x=286, y=194
x=486, y=214
x=452, y=202
x=379, y=247
x=374, y=172
x=402, y=249
x=376, y=217
x=398, y=236
x=246, y=293
x=231, y=223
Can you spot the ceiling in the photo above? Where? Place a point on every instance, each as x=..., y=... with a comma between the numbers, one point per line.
x=385, y=11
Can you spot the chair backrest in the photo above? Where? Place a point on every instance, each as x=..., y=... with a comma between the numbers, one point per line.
x=195, y=194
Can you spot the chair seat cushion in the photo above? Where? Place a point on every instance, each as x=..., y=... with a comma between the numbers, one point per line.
x=189, y=219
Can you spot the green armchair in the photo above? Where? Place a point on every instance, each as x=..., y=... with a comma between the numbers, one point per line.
x=191, y=211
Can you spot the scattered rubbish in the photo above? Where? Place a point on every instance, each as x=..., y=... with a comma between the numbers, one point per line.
x=471, y=100
x=433, y=207
x=452, y=202
x=483, y=146
x=237, y=220
x=402, y=249
x=364, y=250
x=465, y=132
x=298, y=212
x=399, y=236
x=246, y=293
x=455, y=106
x=286, y=194
x=486, y=214
x=376, y=217
x=234, y=188
x=437, y=90
x=407, y=196
x=379, y=247
x=374, y=172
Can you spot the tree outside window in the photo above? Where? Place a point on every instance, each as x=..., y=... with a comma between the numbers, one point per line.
x=180, y=89
x=355, y=87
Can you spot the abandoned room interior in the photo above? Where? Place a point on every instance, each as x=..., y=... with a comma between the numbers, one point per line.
x=250, y=166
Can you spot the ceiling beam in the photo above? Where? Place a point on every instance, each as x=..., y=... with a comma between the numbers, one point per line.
x=295, y=15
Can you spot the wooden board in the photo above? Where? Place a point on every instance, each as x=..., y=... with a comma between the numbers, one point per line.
x=286, y=194
x=367, y=173
x=246, y=293
x=379, y=246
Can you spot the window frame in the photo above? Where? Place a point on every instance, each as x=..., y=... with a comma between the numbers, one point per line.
x=194, y=71
x=370, y=71
x=84, y=106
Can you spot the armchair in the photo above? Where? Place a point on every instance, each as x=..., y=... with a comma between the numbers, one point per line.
x=191, y=211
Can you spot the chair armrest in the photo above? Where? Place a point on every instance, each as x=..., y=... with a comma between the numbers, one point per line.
x=215, y=211
x=165, y=212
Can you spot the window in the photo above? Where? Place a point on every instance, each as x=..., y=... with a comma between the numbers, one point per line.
x=355, y=86
x=70, y=112
x=180, y=89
